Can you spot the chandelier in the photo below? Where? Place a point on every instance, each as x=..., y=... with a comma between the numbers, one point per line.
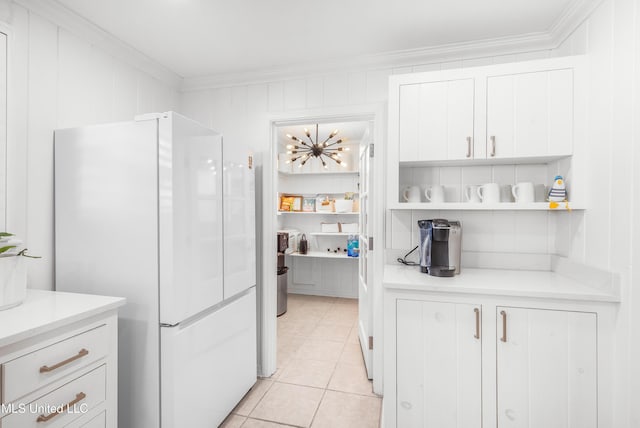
x=304, y=151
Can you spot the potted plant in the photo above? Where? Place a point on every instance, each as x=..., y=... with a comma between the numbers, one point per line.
x=13, y=271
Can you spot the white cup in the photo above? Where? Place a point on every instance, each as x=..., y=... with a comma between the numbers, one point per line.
x=540, y=193
x=489, y=193
x=471, y=193
x=506, y=194
x=411, y=194
x=434, y=193
x=523, y=192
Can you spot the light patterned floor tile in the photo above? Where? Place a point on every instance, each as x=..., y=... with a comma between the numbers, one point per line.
x=334, y=332
x=257, y=423
x=308, y=372
x=322, y=350
x=351, y=378
x=289, y=404
x=251, y=399
x=352, y=354
x=233, y=421
x=341, y=410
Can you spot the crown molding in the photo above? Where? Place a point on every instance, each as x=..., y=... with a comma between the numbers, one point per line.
x=96, y=36
x=400, y=58
x=573, y=15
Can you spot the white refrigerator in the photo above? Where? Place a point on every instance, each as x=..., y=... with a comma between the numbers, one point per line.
x=159, y=211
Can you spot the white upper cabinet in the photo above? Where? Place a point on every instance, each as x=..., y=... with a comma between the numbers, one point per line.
x=530, y=114
x=514, y=111
x=436, y=120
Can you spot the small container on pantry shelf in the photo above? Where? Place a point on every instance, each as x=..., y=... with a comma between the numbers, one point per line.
x=353, y=246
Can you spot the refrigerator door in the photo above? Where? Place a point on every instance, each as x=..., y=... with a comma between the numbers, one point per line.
x=209, y=364
x=191, y=218
x=106, y=229
x=239, y=220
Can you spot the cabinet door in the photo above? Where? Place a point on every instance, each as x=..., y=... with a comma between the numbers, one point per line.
x=436, y=120
x=530, y=114
x=438, y=365
x=546, y=368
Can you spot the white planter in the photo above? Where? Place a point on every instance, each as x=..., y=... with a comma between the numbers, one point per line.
x=13, y=281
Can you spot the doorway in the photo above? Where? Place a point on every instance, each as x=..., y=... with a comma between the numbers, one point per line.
x=325, y=278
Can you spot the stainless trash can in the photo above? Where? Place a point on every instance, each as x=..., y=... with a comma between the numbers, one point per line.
x=282, y=290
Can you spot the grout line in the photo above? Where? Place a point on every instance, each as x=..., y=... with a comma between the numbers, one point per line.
x=324, y=393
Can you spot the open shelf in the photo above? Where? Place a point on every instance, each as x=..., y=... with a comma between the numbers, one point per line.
x=323, y=255
x=332, y=233
x=467, y=206
x=485, y=161
x=315, y=213
x=299, y=174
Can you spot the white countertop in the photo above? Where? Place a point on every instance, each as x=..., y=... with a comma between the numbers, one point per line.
x=520, y=283
x=44, y=311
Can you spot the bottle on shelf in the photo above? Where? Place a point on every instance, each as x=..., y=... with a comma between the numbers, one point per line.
x=353, y=246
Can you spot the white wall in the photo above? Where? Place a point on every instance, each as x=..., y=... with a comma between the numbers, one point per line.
x=238, y=112
x=607, y=234
x=58, y=80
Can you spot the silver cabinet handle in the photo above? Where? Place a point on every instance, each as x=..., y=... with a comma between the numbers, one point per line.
x=468, y=147
x=493, y=145
x=504, y=326
x=477, y=311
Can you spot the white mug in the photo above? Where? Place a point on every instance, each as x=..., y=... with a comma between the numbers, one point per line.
x=540, y=193
x=411, y=194
x=489, y=193
x=471, y=193
x=506, y=194
x=523, y=192
x=434, y=193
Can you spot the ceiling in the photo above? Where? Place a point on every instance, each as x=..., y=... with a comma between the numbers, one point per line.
x=208, y=37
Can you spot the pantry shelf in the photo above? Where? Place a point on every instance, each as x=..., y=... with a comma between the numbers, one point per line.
x=315, y=213
x=323, y=255
x=468, y=206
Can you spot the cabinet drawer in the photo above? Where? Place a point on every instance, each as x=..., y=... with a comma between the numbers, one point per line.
x=99, y=421
x=83, y=394
x=30, y=372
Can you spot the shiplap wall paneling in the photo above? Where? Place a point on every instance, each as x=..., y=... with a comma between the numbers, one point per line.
x=59, y=80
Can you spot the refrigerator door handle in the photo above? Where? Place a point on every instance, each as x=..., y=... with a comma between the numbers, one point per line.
x=164, y=324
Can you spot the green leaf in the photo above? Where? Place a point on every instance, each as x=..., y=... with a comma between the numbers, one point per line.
x=5, y=234
x=7, y=248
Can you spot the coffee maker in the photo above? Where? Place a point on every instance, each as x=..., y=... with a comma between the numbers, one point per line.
x=440, y=247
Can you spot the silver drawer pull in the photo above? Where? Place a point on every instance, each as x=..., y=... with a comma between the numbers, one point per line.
x=46, y=369
x=79, y=397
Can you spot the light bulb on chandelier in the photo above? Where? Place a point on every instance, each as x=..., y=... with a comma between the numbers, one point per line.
x=314, y=148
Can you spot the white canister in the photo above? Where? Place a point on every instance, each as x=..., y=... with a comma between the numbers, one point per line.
x=13, y=281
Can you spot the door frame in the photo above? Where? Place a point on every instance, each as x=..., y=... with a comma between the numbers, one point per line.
x=267, y=298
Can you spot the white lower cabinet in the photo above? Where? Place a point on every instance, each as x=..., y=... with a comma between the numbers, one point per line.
x=439, y=373
x=546, y=368
x=463, y=365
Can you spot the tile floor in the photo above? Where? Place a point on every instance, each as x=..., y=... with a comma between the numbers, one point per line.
x=321, y=379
